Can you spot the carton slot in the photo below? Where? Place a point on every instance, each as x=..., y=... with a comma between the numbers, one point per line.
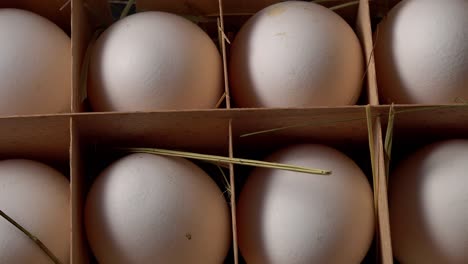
x=357, y=16
x=97, y=135
x=378, y=10
x=90, y=16
x=41, y=138
x=417, y=128
x=259, y=146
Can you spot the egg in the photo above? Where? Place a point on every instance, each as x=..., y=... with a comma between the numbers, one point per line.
x=38, y=198
x=152, y=209
x=428, y=205
x=35, y=65
x=422, y=52
x=292, y=217
x=295, y=54
x=152, y=61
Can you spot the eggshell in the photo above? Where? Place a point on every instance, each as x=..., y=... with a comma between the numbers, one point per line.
x=291, y=217
x=38, y=198
x=152, y=209
x=422, y=52
x=35, y=65
x=295, y=54
x=154, y=60
x=428, y=205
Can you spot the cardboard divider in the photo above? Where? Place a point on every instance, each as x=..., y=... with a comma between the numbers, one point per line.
x=81, y=35
x=384, y=244
x=88, y=16
x=42, y=138
x=233, y=200
x=364, y=31
x=79, y=249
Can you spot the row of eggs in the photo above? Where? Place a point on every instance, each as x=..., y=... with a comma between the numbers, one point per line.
x=146, y=208
x=290, y=54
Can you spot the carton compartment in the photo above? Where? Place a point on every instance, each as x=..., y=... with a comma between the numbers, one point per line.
x=415, y=127
x=319, y=127
x=93, y=17
x=236, y=13
x=98, y=135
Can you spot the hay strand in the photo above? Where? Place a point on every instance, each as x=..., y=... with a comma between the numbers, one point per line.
x=227, y=185
x=127, y=8
x=83, y=92
x=302, y=125
x=215, y=158
x=221, y=100
x=389, y=139
x=64, y=5
x=370, y=133
x=31, y=236
x=337, y=7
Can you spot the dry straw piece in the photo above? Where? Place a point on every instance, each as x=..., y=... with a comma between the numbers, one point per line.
x=222, y=159
x=127, y=8
x=227, y=185
x=31, y=236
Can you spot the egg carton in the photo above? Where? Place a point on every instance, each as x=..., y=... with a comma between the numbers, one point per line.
x=73, y=142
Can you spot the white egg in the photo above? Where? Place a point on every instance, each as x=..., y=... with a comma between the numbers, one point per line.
x=35, y=65
x=422, y=52
x=428, y=205
x=296, y=54
x=154, y=60
x=38, y=198
x=151, y=209
x=298, y=218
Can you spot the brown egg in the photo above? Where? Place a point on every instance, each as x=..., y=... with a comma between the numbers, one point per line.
x=35, y=65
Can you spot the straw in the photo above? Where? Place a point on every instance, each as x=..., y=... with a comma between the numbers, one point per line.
x=370, y=133
x=220, y=101
x=32, y=237
x=389, y=139
x=222, y=159
x=344, y=5
x=304, y=125
x=86, y=61
x=375, y=172
x=227, y=185
x=64, y=5
x=127, y=8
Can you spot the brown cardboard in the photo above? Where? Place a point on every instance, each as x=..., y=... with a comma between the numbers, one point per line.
x=79, y=246
x=59, y=139
x=37, y=137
